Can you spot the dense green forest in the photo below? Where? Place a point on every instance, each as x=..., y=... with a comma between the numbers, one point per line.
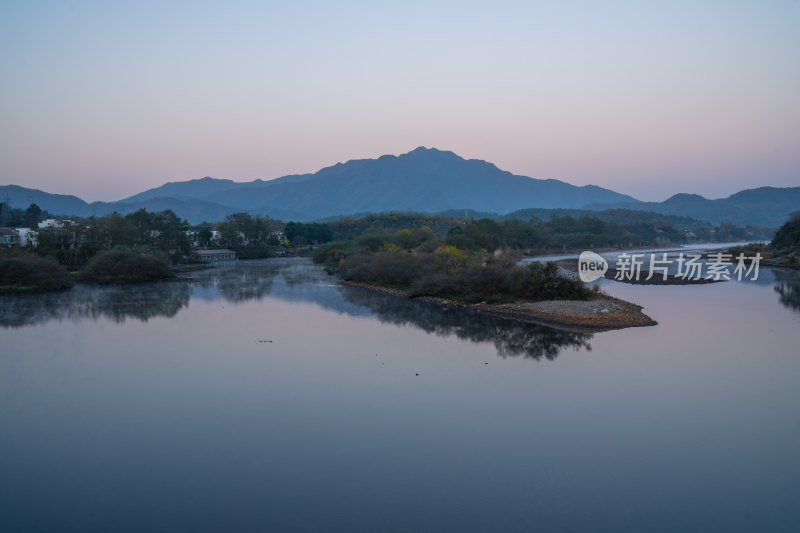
x=541, y=230
x=612, y=228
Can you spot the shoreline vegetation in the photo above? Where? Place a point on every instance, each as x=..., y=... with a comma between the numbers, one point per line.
x=23, y=272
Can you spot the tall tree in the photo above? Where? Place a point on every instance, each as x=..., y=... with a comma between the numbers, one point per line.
x=32, y=217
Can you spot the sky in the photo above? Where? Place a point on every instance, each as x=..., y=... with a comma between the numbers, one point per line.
x=106, y=99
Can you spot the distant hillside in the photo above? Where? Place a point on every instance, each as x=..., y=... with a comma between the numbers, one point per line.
x=193, y=210
x=767, y=206
x=56, y=204
x=626, y=216
x=210, y=189
x=182, y=189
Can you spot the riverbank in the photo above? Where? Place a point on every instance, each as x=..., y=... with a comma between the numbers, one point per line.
x=601, y=313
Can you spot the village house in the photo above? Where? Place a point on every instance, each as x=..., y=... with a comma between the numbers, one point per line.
x=9, y=237
x=28, y=236
x=53, y=223
x=213, y=256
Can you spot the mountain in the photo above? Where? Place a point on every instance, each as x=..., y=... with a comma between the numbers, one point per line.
x=178, y=189
x=205, y=188
x=424, y=180
x=56, y=204
x=192, y=209
x=766, y=206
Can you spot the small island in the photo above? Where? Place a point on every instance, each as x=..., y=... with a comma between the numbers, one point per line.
x=599, y=313
x=414, y=264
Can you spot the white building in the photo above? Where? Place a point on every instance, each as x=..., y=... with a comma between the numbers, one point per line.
x=55, y=224
x=28, y=236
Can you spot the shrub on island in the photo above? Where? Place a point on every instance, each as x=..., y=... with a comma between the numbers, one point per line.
x=26, y=272
x=122, y=264
x=452, y=273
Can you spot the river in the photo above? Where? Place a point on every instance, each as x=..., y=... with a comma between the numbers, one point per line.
x=262, y=396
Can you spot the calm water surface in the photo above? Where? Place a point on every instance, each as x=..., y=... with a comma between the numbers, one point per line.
x=263, y=397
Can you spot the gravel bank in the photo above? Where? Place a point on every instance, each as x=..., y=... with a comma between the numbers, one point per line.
x=599, y=314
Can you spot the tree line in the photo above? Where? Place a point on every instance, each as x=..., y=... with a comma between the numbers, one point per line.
x=255, y=236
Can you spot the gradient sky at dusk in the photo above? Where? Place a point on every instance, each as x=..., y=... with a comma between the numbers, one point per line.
x=106, y=99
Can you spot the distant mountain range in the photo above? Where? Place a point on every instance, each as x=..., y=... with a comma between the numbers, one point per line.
x=423, y=180
x=766, y=206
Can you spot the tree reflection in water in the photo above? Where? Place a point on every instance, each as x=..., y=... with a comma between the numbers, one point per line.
x=290, y=280
x=787, y=285
x=298, y=280
x=510, y=337
x=242, y=281
x=141, y=301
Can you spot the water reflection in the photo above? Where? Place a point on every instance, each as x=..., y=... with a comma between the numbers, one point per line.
x=118, y=302
x=297, y=280
x=240, y=282
x=289, y=280
x=511, y=338
x=787, y=285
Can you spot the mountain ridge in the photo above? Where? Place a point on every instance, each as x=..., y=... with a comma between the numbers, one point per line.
x=424, y=180
x=766, y=205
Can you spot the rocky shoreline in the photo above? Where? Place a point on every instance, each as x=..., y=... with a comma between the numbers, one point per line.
x=599, y=314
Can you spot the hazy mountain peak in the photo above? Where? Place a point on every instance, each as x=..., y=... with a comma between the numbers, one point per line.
x=189, y=188
x=684, y=196
x=429, y=153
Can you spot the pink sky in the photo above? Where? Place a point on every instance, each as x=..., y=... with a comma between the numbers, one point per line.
x=105, y=101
